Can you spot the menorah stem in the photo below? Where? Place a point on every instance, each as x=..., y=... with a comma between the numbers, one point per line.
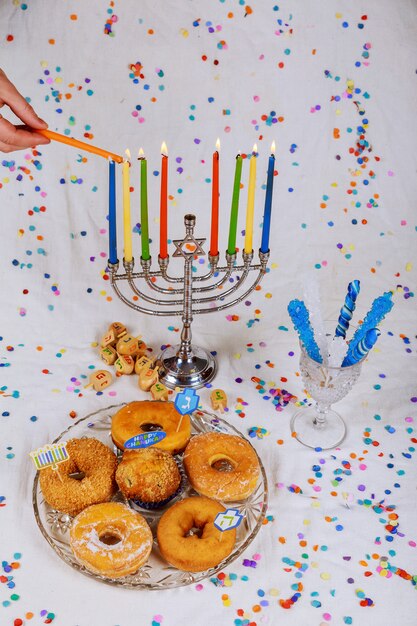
x=187, y=365
x=185, y=351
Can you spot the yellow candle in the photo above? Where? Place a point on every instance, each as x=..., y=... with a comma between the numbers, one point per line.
x=126, y=209
x=251, y=202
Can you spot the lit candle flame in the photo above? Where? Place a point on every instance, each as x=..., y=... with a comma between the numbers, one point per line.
x=218, y=144
x=164, y=149
x=255, y=149
x=141, y=154
x=273, y=147
x=127, y=152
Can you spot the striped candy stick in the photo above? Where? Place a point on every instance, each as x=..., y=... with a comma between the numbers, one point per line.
x=347, y=309
x=362, y=348
x=380, y=307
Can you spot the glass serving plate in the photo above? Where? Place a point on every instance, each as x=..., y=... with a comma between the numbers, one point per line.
x=156, y=573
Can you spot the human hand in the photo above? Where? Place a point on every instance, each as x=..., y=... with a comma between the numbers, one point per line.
x=24, y=135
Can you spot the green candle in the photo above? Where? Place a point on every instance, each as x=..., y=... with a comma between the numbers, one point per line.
x=231, y=248
x=144, y=207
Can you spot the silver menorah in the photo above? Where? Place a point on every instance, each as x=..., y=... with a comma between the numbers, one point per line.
x=187, y=365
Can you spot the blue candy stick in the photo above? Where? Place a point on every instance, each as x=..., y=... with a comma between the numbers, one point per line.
x=301, y=320
x=347, y=309
x=380, y=307
x=362, y=347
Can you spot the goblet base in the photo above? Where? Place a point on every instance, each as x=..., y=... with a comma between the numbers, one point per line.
x=310, y=433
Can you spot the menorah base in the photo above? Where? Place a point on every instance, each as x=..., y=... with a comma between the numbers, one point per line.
x=195, y=371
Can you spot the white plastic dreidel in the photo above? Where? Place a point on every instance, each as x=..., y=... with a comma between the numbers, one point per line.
x=108, y=355
x=159, y=392
x=99, y=380
x=118, y=328
x=218, y=400
x=124, y=364
x=147, y=378
x=143, y=362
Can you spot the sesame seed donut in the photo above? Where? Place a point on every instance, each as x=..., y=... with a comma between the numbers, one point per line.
x=110, y=539
x=145, y=416
x=220, y=466
x=187, y=537
x=92, y=458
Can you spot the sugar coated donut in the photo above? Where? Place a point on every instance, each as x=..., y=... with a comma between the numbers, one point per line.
x=148, y=475
x=110, y=539
x=220, y=466
x=87, y=456
x=146, y=416
x=187, y=537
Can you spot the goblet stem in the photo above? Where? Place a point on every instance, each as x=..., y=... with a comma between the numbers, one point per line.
x=320, y=420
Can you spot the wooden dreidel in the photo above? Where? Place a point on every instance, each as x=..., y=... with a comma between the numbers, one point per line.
x=109, y=339
x=119, y=329
x=108, y=354
x=127, y=345
x=100, y=379
x=148, y=378
x=124, y=364
x=142, y=347
x=159, y=392
x=218, y=400
x=143, y=362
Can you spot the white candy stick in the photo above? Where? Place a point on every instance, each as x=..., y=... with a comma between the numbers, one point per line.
x=337, y=351
x=312, y=301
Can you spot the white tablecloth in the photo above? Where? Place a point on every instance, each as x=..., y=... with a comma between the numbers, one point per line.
x=317, y=78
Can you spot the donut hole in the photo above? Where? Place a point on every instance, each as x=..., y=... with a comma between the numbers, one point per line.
x=150, y=427
x=222, y=463
x=77, y=475
x=110, y=538
x=194, y=531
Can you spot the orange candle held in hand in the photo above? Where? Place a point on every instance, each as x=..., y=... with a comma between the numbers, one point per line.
x=214, y=239
x=163, y=226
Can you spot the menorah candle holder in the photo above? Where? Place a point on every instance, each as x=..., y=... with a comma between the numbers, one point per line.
x=187, y=365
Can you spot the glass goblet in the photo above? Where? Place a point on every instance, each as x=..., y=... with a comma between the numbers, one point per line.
x=319, y=426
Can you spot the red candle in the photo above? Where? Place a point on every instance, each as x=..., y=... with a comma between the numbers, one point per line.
x=214, y=240
x=163, y=225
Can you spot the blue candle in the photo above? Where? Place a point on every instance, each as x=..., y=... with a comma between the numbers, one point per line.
x=268, y=202
x=112, y=213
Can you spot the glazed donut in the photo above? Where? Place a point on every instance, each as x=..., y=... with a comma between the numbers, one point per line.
x=220, y=466
x=110, y=539
x=92, y=458
x=187, y=537
x=144, y=416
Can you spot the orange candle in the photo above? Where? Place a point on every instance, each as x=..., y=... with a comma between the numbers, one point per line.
x=81, y=145
x=214, y=239
x=163, y=226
